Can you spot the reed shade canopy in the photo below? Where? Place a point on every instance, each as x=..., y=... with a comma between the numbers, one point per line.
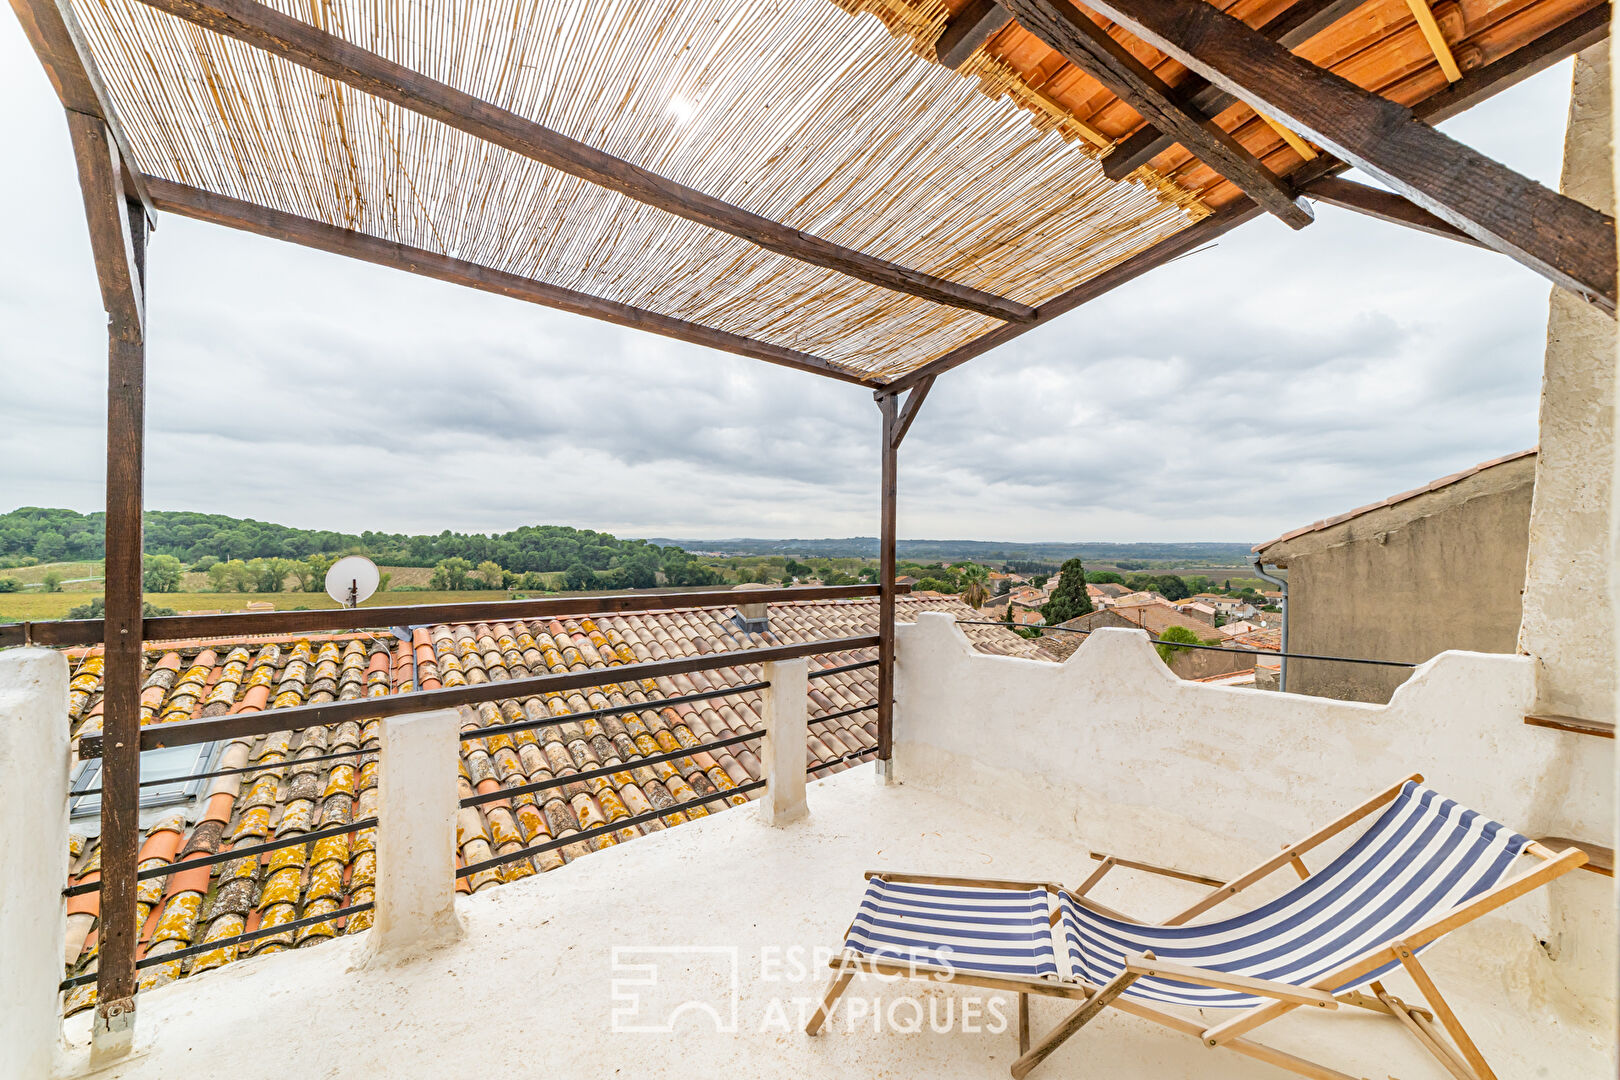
x=794, y=109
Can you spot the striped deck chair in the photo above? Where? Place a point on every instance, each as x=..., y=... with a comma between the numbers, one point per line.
x=1424, y=867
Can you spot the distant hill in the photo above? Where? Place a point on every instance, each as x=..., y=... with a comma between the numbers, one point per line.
x=1005, y=550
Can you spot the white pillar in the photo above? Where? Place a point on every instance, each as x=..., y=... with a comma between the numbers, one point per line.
x=33, y=856
x=417, y=800
x=1568, y=623
x=784, y=755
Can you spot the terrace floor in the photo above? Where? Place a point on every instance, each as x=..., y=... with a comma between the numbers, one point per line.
x=532, y=982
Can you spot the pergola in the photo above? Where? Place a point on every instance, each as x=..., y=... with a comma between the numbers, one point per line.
x=875, y=201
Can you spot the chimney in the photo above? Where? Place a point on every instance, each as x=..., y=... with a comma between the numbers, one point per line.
x=752, y=618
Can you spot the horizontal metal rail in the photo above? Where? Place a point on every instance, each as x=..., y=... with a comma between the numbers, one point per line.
x=1206, y=648
x=612, y=710
x=604, y=830
x=842, y=712
x=232, y=855
x=853, y=755
x=288, y=763
x=70, y=632
x=607, y=770
x=843, y=668
x=248, y=724
x=236, y=939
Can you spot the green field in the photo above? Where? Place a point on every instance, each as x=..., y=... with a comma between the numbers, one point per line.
x=66, y=571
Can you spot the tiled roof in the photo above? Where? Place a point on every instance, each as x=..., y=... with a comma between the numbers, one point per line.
x=1444, y=481
x=195, y=679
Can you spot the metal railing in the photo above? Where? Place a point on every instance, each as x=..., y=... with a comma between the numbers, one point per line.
x=251, y=724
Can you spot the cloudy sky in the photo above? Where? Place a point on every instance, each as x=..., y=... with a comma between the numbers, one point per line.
x=1259, y=385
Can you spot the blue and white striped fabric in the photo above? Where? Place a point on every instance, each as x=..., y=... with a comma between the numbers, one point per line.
x=1423, y=857
x=966, y=929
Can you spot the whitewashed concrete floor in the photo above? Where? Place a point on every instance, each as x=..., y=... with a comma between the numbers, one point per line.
x=727, y=901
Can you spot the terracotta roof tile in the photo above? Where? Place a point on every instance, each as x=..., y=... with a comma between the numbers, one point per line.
x=285, y=797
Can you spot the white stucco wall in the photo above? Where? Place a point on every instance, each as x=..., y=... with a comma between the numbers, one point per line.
x=1568, y=622
x=33, y=855
x=1112, y=748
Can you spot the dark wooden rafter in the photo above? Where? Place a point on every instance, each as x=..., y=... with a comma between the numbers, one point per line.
x=1083, y=43
x=300, y=43
x=1552, y=47
x=1560, y=238
x=223, y=210
x=1292, y=27
x=968, y=30
x=1383, y=205
x=64, y=53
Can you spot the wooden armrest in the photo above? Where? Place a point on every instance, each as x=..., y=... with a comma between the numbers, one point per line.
x=1140, y=964
x=1163, y=871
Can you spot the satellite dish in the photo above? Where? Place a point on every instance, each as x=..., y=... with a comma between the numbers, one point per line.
x=352, y=579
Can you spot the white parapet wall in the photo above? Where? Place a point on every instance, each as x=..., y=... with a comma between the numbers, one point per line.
x=1115, y=750
x=33, y=856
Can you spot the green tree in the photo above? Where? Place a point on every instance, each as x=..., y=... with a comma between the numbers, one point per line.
x=1104, y=577
x=269, y=575
x=161, y=573
x=1069, y=600
x=53, y=582
x=975, y=580
x=230, y=576
x=382, y=582
x=1171, y=587
x=1172, y=640
x=50, y=546
x=451, y=573
x=578, y=577
x=9, y=584
x=204, y=564
x=489, y=573
x=311, y=572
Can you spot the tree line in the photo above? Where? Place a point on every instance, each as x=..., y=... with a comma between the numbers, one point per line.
x=259, y=555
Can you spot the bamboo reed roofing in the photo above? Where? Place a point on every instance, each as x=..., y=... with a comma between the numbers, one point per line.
x=830, y=117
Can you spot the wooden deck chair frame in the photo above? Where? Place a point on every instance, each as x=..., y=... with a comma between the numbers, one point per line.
x=1458, y=1055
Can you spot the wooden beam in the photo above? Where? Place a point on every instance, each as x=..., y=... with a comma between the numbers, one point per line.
x=1292, y=27
x=278, y=225
x=1601, y=729
x=112, y=242
x=1599, y=859
x=63, y=51
x=122, y=678
x=1166, y=250
x=1383, y=205
x=908, y=411
x=1560, y=238
x=888, y=492
x=969, y=29
x=1555, y=46
x=299, y=42
x=1080, y=41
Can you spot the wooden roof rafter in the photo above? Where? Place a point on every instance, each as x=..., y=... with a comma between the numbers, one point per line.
x=1560, y=238
x=1552, y=47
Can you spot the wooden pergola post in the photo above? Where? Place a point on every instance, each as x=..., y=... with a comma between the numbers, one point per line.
x=121, y=705
x=118, y=240
x=897, y=419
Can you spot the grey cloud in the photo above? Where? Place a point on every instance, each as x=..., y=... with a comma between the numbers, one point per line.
x=1271, y=380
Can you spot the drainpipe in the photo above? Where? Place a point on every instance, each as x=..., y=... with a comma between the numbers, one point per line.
x=1282, y=583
